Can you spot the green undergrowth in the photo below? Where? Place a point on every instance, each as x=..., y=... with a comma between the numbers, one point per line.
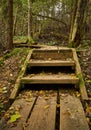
x=14, y=52
x=20, y=39
x=85, y=45
x=51, y=43
x=23, y=39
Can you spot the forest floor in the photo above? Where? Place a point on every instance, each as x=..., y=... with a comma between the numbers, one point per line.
x=11, y=63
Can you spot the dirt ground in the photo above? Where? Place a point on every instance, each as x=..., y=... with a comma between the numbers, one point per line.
x=12, y=65
x=9, y=71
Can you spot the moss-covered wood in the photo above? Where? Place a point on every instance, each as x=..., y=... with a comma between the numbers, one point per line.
x=17, y=86
x=79, y=74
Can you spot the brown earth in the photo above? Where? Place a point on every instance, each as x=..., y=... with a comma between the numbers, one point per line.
x=9, y=71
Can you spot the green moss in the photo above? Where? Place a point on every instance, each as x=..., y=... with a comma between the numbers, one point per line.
x=1, y=62
x=16, y=51
x=81, y=79
x=30, y=40
x=70, y=45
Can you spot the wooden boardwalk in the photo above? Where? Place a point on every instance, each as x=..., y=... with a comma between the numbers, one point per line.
x=57, y=109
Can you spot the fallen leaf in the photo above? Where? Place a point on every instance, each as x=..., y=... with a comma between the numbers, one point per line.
x=49, y=58
x=1, y=105
x=88, y=120
x=28, y=100
x=47, y=106
x=14, y=117
x=88, y=110
x=4, y=88
x=46, y=98
x=58, y=105
x=11, y=75
x=88, y=81
x=41, y=92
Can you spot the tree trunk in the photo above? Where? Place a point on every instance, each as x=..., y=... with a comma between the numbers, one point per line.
x=29, y=19
x=15, y=21
x=73, y=15
x=77, y=24
x=10, y=24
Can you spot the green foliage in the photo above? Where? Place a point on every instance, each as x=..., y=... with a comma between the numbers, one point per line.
x=20, y=39
x=16, y=51
x=51, y=43
x=1, y=62
x=70, y=45
x=30, y=40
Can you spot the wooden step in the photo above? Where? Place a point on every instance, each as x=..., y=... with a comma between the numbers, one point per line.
x=50, y=79
x=51, y=63
x=43, y=116
x=53, y=54
x=72, y=115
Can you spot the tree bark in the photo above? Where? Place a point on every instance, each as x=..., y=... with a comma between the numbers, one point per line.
x=10, y=24
x=29, y=19
x=77, y=24
x=15, y=20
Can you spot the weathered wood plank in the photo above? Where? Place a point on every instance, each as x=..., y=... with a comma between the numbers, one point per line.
x=44, y=114
x=53, y=49
x=17, y=84
x=51, y=63
x=24, y=108
x=27, y=45
x=72, y=115
x=79, y=74
x=50, y=79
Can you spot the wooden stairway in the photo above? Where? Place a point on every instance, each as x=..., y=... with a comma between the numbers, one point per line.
x=51, y=58
x=50, y=109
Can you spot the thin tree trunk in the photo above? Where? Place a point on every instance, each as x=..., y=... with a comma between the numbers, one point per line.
x=10, y=24
x=15, y=21
x=29, y=19
x=73, y=15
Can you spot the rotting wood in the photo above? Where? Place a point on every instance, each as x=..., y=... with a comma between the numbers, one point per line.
x=27, y=45
x=79, y=74
x=24, y=108
x=72, y=115
x=21, y=74
x=50, y=79
x=51, y=63
x=43, y=116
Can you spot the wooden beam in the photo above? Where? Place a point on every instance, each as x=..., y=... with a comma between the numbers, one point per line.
x=50, y=63
x=79, y=74
x=50, y=79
